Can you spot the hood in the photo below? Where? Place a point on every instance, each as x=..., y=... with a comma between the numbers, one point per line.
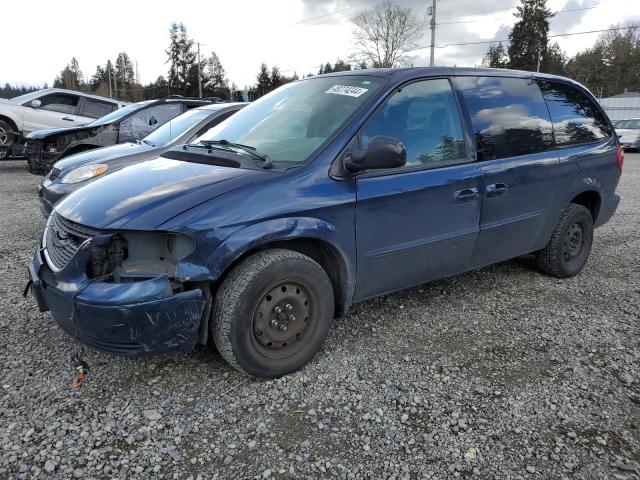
x=104, y=155
x=40, y=134
x=145, y=195
x=628, y=132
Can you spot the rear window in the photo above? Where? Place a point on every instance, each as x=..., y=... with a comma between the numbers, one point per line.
x=96, y=108
x=576, y=118
x=508, y=115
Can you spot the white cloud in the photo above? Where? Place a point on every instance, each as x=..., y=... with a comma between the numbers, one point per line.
x=244, y=33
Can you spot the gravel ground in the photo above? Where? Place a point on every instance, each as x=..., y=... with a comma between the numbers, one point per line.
x=498, y=373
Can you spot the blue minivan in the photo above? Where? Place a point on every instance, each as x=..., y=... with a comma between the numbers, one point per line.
x=328, y=191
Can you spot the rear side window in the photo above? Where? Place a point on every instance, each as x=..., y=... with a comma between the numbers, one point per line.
x=145, y=121
x=508, y=115
x=94, y=108
x=424, y=117
x=576, y=118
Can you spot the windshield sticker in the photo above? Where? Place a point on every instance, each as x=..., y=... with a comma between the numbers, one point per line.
x=347, y=90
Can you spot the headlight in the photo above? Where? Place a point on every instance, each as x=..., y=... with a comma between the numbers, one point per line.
x=85, y=172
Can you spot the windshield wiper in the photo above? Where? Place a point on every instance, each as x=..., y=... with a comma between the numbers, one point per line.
x=266, y=159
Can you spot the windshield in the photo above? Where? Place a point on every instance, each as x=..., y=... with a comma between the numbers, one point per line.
x=169, y=131
x=635, y=124
x=290, y=123
x=117, y=114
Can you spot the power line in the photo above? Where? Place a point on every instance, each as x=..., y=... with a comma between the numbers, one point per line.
x=322, y=16
x=484, y=42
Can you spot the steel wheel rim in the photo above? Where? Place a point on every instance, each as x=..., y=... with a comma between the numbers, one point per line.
x=574, y=241
x=283, y=319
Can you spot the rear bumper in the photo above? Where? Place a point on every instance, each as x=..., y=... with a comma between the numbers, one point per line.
x=127, y=319
x=608, y=208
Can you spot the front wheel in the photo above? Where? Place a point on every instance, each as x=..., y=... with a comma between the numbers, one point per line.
x=568, y=249
x=6, y=140
x=272, y=313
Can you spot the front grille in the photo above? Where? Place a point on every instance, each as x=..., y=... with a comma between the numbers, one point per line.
x=54, y=173
x=62, y=239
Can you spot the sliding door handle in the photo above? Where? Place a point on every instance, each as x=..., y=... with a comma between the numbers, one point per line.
x=466, y=195
x=496, y=189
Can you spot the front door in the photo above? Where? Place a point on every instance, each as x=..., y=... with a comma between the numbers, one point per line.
x=56, y=110
x=418, y=222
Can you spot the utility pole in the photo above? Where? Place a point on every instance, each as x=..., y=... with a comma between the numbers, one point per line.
x=109, y=76
x=539, y=53
x=199, y=74
x=433, y=33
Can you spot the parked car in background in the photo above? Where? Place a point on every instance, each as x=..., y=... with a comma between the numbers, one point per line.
x=328, y=191
x=78, y=170
x=48, y=108
x=131, y=123
x=628, y=132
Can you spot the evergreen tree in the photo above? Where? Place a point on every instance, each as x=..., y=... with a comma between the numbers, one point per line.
x=496, y=57
x=215, y=83
x=341, y=66
x=529, y=37
x=276, y=78
x=328, y=68
x=264, y=80
x=182, y=61
x=70, y=77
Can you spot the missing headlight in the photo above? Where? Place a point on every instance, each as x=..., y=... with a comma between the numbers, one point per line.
x=106, y=258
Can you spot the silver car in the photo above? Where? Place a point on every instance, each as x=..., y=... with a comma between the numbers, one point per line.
x=628, y=132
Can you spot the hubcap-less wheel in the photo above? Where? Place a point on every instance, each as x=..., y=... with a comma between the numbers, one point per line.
x=283, y=317
x=573, y=242
x=4, y=139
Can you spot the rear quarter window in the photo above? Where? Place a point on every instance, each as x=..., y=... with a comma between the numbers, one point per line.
x=576, y=118
x=508, y=116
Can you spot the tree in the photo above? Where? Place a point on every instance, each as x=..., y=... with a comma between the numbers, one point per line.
x=385, y=34
x=264, y=80
x=496, y=57
x=611, y=65
x=341, y=66
x=215, y=82
x=182, y=61
x=70, y=77
x=529, y=37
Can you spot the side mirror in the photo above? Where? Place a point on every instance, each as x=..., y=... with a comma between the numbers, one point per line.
x=382, y=152
x=36, y=103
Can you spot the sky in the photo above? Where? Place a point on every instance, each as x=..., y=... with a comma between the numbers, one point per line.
x=296, y=35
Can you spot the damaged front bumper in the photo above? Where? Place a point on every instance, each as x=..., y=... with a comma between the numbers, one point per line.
x=130, y=319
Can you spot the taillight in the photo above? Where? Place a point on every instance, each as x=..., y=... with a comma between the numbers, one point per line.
x=620, y=158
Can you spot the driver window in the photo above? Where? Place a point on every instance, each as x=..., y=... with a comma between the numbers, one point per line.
x=141, y=123
x=59, y=102
x=424, y=117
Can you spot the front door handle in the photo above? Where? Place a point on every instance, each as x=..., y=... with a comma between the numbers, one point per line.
x=466, y=195
x=496, y=189
x=67, y=119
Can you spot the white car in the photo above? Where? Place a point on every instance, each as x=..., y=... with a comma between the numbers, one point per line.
x=48, y=108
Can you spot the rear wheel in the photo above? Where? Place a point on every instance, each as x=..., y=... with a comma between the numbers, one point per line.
x=272, y=313
x=568, y=249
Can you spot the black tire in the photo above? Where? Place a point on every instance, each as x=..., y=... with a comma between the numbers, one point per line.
x=568, y=249
x=243, y=328
x=6, y=140
x=33, y=168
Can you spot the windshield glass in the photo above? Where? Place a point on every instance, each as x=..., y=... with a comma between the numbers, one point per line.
x=174, y=128
x=117, y=114
x=290, y=123
x=635, y=124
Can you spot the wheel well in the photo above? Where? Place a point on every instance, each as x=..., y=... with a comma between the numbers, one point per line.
x=10, y=122
x=322, y=252
x=591, y=201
